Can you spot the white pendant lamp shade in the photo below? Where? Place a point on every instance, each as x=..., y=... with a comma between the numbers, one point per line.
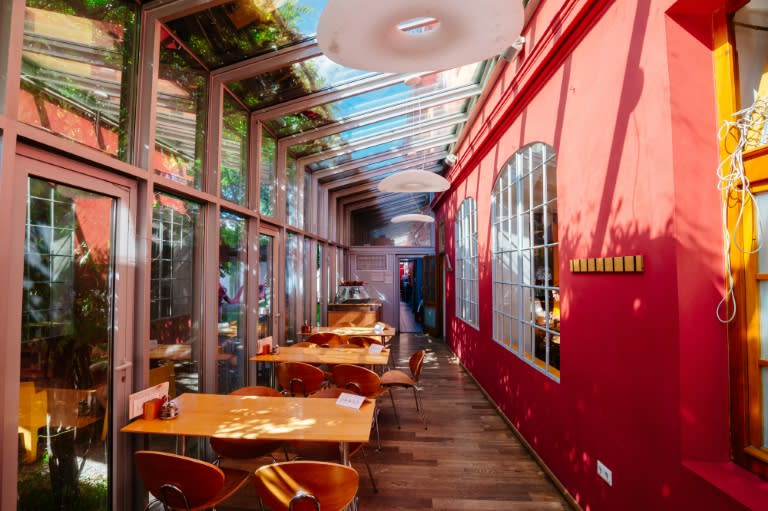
x=412, y=217
x=414, y=181
x=367, y=35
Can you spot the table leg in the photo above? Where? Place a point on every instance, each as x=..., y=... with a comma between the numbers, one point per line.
x=344, y=453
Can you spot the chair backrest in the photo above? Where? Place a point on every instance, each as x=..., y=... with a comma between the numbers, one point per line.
x=415, y=363
x=256, y=390
x=304, y=344
x=195, y=481
x=363, y=341
x=299, y=378
x=306, y=485
x=327, y=339
x=161, y=373
x=357, y=379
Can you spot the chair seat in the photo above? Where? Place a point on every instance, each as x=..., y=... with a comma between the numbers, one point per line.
x=398, y=378
x=180, y=482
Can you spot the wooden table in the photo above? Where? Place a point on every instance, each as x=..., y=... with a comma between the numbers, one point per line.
x=318, y=355
x=352, y=331
x=264, y=418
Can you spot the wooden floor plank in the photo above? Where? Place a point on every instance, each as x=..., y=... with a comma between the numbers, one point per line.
x=468, y=458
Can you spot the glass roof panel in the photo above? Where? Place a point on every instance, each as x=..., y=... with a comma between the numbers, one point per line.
x=391, y=145
x=374, y=100
x=355, y=135
x=294, y=81
x=242, y=29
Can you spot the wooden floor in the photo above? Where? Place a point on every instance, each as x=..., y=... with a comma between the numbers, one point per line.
x=468, y=458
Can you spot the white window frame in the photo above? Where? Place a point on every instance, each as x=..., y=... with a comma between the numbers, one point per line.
x=523, y=303
x=466, y=259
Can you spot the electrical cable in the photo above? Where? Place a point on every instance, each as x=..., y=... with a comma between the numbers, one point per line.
x=747, y=130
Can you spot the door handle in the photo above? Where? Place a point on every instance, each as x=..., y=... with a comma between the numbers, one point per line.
x=125, y=365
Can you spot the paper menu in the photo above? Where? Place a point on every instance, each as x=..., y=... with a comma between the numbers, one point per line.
x=137, y=399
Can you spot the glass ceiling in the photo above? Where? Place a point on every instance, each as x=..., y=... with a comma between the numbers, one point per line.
x=348, y=126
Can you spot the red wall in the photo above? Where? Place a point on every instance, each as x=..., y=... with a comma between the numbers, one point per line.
x=624, y=92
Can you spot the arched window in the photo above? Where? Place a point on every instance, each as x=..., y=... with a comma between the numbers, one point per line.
x=526, y=277
x=466, y=262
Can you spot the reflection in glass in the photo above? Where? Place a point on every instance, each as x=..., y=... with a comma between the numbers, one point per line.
x=294, y=81
x=66, y=342
x=268, y=175
x=378, y=99
x=233, y=270
x=266, y=269
x=174, y=318
x=242, y=29
x=294, y=286
x=182, y=102
x=80, y=95
x=234, y=152
x=294, y=194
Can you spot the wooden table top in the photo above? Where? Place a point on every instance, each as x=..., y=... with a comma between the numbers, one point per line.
x=350, y=331
x=318, y=355
x=269, y=418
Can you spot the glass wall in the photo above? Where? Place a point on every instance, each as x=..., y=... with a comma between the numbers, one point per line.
x=66, y=324
x=268, y=175
x=234, y=152
x=182, y=102
x=294, y=194
x=233, y=271
x=80, y=95
x=294, y=286
x=174, y=306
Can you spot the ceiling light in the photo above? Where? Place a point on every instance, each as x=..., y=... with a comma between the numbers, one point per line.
x=412, y=217
x=414, y=181
x=403, y=36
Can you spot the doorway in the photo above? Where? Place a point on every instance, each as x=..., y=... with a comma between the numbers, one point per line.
x=76, y=338
x=411, y=310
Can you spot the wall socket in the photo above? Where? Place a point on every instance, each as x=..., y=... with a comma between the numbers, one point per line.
x=604, y=473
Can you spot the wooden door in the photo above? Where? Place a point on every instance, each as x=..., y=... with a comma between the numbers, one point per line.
x=432, y=295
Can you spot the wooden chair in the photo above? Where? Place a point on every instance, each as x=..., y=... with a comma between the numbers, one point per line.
x=363, y=341
x=326, y=339
x=365, y=382
x=306, y=485
x=245, y=448
x=397, y=378
x=304, y=344
x=329, y=451
x=179, y=482
x=298, y=376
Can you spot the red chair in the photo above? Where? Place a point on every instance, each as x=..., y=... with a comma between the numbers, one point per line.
x=243, y=448
x=329, y=451
x=397, y=378
x=305, y=485
x=179, y=482
x=364, y=382
x=298, y=377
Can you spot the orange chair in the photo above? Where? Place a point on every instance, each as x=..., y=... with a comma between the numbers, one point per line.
x=306, y=485
x=329, y=451
x=298, y=376
x=361, y=381
x=397, y=378
x=326, y=339
x=243, y=448
x=179, y=482
x=363, y=341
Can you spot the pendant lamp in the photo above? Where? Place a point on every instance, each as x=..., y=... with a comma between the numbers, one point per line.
x=375, y=35
x=414, y=181
x=412, y=217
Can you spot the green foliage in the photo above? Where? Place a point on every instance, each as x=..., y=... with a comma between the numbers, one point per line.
x=35, y=492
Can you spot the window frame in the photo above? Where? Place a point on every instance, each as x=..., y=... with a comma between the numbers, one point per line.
x=515, y=290
x=749, y=417
x=466, y=260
